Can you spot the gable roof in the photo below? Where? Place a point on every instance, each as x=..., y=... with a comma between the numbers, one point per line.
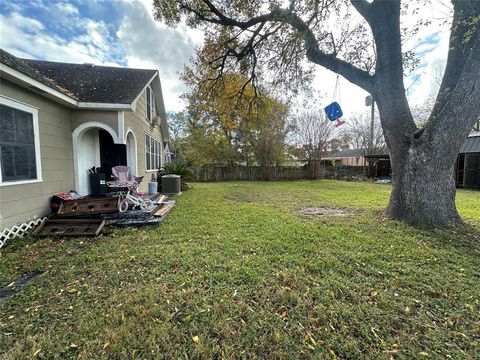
x=84, y=82
x=471, y=144
x=348, y=153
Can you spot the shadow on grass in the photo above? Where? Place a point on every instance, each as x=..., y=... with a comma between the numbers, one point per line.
x=463, y=239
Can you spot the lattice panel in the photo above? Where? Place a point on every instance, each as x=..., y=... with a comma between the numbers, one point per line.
x=18, y=231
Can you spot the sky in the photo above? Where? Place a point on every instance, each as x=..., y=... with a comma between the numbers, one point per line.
x=124, y=33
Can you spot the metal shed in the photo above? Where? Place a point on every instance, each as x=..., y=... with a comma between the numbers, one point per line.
x=468, y=163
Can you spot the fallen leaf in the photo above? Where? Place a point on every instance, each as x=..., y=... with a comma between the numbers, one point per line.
x=72, y=290
x=332, y=353
x=107, y=344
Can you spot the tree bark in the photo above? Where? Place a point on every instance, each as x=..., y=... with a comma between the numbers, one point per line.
x=423, y=189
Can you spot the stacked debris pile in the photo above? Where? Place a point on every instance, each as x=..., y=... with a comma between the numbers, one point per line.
x=87, y=216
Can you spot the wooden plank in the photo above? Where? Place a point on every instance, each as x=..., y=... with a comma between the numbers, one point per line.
x=163, y=211
x=101, y=205
x=161, y=199
x=71, y=227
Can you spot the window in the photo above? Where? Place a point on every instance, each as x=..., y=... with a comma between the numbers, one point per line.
x=167, y=154
x=152, y=153
x=150, y=104
x=19, y=144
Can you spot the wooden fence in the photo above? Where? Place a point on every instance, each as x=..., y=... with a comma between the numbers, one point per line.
x=257, y=173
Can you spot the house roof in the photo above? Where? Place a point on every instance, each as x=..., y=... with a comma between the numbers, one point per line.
x=348, y=153
x=84, y=82
x=345, y=153
x=471, y=144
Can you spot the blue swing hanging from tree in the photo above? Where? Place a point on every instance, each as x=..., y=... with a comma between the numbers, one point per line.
x=334, y=111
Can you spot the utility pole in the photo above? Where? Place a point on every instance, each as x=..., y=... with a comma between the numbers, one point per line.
x=372, y=127
x=370, y=101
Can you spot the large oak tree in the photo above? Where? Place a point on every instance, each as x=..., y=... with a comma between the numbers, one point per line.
x=279, y=41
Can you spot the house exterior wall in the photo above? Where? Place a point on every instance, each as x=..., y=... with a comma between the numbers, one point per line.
x=24, y=202
x=352, y=161
x=348, y=161
x=109, y=118
x=138, y=123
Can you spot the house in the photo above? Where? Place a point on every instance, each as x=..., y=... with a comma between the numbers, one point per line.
x=468, y=163
x=59, y=119
x=347, y=157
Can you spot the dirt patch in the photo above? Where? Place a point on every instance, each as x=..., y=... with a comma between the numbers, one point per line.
x=323, y=211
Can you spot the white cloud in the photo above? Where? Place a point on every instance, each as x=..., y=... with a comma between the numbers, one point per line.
x=150, y=44
x=25, y=24
x=66, y=8
x=26, y=37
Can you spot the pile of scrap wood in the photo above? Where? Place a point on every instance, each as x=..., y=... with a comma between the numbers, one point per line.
x=88, y=216
x=64, y=227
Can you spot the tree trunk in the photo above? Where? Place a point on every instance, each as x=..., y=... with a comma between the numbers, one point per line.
x=423, y=187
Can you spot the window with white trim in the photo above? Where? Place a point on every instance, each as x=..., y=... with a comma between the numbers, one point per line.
x=152, y=153
x=149, y=104
x=19, y=143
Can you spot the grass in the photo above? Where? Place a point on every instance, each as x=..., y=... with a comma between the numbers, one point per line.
x=236, y=272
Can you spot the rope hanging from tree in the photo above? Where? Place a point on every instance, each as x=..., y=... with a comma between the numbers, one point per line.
x=334, y=111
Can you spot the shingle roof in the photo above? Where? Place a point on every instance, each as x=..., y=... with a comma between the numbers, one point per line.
x=471, y=145
x=345, y=153
x=353, y=153
x=84, y=82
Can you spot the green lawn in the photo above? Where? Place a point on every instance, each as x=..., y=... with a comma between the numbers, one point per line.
x=236, y=272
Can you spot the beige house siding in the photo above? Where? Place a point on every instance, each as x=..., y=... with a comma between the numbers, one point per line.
x=109, y=118
x=137, y=122
x=24, y=202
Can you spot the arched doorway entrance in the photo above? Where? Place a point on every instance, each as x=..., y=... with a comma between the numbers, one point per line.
x=94, y=145
x=131, y=143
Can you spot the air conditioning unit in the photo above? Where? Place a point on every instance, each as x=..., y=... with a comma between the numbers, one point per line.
x=171, y=184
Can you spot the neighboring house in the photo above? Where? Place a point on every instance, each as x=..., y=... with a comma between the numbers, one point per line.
x=348, y=157
x=58, y=120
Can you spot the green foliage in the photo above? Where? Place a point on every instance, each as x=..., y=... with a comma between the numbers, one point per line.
x=178, y=169
x=221, y=127
x=236, y=272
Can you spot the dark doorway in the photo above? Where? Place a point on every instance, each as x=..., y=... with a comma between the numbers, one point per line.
x=460, y=170
x=384, y=169
x=111, y=154
x=472, y=171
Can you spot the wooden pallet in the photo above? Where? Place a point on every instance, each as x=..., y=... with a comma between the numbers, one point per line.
x=70, y=227
x=89, y=206
x=163, y=211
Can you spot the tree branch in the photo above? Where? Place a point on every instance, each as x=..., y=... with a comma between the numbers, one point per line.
x=355, y=75
x=363, y=7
